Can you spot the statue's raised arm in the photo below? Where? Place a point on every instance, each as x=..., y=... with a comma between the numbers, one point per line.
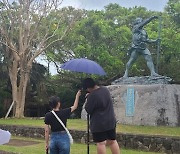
x=139, y=23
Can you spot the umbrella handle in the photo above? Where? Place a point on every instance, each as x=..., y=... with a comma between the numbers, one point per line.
x=87, y=133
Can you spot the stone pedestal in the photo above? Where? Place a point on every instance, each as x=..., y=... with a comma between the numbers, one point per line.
x=156, y=104
x=143, y=80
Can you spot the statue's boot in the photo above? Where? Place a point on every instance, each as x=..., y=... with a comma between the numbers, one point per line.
x=155, y=74
x=125, y=74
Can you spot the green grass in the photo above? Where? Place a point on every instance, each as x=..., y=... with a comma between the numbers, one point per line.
x=79, y=124
x=23, y=121
x=75, y=148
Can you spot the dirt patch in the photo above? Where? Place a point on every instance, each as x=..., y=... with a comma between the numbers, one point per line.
x=19, y=143
x=4, y=152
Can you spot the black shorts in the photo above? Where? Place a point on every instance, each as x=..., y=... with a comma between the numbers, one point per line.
x=102, y=136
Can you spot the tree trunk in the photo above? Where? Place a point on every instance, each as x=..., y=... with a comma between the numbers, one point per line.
x=19, y=83
x=13, y=78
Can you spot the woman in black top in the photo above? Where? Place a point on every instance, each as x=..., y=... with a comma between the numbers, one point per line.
x=59, y=141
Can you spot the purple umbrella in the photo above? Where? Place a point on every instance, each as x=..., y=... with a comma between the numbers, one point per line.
x=83, y=65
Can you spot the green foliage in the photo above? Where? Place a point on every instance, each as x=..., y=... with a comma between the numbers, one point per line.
x=5, y=90
x=36, y=91
x=100, y=39
x=173, y=9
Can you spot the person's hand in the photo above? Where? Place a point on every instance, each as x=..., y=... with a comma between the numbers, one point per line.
x=78, y=93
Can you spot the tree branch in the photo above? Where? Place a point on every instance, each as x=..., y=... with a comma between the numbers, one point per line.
x=7, y=5
x=8, y=46
x=46, y=39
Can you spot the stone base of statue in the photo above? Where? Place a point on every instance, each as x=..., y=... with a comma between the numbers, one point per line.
x=143, y=80
x=156, y=104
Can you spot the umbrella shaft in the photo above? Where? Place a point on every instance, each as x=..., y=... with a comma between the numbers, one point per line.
x=87, y=133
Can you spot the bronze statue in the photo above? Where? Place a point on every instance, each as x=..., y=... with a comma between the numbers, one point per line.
x=139, y=46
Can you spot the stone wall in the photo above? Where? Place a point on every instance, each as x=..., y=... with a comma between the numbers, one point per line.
x=163, y=144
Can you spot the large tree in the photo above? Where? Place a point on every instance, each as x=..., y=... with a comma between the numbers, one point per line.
x=28, y=27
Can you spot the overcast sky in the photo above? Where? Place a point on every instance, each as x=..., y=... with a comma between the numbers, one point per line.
x=154, y=5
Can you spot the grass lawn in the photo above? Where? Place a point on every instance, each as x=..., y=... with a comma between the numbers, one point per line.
x=79, y=124
x=75, y=148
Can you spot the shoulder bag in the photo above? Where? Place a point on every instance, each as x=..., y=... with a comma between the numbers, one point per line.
x=69, y=135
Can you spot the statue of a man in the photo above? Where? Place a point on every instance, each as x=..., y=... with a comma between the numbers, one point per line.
x=139, y=46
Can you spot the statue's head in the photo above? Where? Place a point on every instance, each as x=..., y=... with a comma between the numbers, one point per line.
x=137, y=21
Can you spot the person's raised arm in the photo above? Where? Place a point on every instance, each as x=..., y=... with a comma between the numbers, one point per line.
x=76, y=101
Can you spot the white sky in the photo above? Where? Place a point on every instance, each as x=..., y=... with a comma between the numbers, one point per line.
x=154, y=5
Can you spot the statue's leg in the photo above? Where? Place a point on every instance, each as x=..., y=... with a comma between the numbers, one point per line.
x=150, y=65
x=133, y=57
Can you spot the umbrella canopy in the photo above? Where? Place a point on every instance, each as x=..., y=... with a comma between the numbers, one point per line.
x=4, y=136
x=83, y=65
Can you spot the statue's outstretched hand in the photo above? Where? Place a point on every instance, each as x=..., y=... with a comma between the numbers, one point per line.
x=155, y=17
x=158, y=40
